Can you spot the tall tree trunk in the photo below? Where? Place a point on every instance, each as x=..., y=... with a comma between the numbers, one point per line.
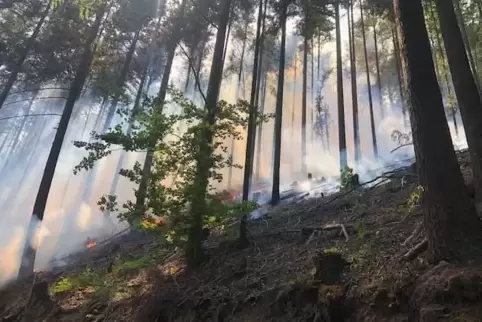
x=188, y=74
x=446, y=75
x=303, y=105
x=149, y=160
x=293, y=108
x=463, y=30
x=29, y=252
x=248, y=163
x=226, y=41
x=379, y=79
x=112, y=109
x=240, y=75
x=354, y=90
x=339, y=89
x=200, y=60
x=194, y=252
x=261, y=84
x=23, y=54
x=319, y=57
x=450, y=220
x=121, y=80
x=275, y=195
x=468, y=97
x=398, y=67
x=260, y=129
x=369, y=86
x=135, y=110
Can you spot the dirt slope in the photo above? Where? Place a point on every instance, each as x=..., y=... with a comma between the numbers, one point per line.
x=337, y=258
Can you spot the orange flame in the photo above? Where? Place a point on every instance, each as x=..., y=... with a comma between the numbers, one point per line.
x=91, y=244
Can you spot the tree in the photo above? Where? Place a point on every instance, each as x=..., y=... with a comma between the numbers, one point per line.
x=250, y=140
x=23, y=55
x=283, y=13
x=354, y=91
x=339, y=89
x=465, y=85
x=194, y=251
x=29, y=252
x=370, y=99
x=450, y=220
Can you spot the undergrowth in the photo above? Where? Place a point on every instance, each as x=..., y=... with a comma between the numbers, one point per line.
x=111, y=279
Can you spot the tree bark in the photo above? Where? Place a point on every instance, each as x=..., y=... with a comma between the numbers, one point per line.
x=194, y=252
x=303, y=104
x=248, y=162
x=463, y=30
x=466, y=91
x=448, y=84
x=339, y=89
x=260, y=130
x=369, y=86
x=398, y=67
x=379, y=79
x=278, y=121
x=450, y=219
x=354, y=90
x=240, y=75
x=29, y=252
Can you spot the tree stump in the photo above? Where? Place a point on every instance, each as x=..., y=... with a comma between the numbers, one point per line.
x=329, y=267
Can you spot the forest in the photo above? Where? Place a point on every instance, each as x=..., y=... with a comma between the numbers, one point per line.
x=240, y=160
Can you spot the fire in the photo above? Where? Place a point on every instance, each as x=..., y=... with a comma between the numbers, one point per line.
x=91, y=244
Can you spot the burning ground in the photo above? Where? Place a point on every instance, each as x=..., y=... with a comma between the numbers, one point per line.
x=345, y=257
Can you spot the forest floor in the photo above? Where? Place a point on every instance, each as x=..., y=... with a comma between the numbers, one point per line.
x=345, y=257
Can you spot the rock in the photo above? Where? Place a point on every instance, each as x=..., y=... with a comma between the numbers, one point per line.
x=329, y=267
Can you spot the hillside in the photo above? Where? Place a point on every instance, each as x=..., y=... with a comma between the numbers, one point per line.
x=345, y=257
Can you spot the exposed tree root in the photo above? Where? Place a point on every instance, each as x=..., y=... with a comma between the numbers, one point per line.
x=416, y=232
x=415, y=251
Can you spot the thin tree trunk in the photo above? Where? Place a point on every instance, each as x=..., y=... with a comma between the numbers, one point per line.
x=398, y=67
x=468, y=97
x=240, y=74
x=354, y=90
x=260, y=129
x=248, y=163
x=275, y=195
x=293, y=108
x=194, y=253
x=369, y=86
x=304, y=105
x=340, y=96
x=379, y=79
x=451, y=222
x=23, y=55
x=149, y=160
x=135, y=110
x=250, y=140
x=446, y=75
x=121, y=80
x=463, y=30
x=29, y=252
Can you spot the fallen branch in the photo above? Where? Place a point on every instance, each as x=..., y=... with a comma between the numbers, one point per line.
x=343, y=229
x=415, y=251
x=401, y=146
